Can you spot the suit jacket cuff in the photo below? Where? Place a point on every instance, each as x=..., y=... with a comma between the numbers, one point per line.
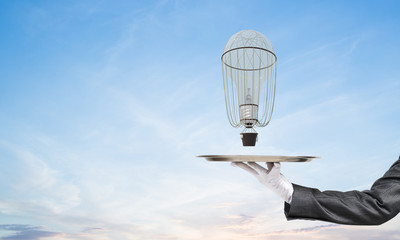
x=302, y=205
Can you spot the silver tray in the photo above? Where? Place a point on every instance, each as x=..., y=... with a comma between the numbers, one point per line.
x=256, y=158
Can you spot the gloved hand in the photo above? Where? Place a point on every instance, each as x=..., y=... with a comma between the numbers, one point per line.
x=272, y=178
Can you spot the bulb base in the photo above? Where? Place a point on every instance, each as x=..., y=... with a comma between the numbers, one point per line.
x=249, y=139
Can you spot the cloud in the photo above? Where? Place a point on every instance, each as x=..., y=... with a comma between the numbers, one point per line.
x=27, y=232
x=303, y=230
x=34, y=185
x=332, y=231
x=92, y=229
x=240, y=221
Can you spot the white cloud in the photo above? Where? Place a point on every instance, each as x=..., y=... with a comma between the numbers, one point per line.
x=35, y=186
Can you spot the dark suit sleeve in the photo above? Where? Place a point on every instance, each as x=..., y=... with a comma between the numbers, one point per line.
x=371, y=207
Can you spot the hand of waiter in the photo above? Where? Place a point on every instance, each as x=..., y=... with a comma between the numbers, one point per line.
x=271, y=177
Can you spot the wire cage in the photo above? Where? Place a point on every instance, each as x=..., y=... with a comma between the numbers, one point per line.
x=249, y=77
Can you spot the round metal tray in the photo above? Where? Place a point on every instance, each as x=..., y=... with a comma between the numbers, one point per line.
x=256, y=158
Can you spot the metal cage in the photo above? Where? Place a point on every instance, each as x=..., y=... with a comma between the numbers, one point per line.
x=249, y=77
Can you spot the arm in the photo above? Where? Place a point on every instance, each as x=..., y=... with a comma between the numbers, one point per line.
x=370, y=207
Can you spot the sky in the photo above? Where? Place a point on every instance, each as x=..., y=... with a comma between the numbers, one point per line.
x=104, y=106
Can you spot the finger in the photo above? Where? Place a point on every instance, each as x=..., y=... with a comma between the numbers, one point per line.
x=277, y=165
x=275, y=169
x=245, y=167
x=234, y=164
x=270, y=165
x=257, y=167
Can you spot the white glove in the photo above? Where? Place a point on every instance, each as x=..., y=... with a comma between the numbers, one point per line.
x=272, y=178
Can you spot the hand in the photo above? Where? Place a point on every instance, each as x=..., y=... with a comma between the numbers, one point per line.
x=272, y=178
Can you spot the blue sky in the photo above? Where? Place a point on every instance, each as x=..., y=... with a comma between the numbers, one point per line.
x=105, y=104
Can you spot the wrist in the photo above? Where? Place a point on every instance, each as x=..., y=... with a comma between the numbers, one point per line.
x=290, y=194
x=286, y=190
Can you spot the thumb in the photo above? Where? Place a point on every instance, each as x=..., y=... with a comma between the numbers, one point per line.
x=276, y=168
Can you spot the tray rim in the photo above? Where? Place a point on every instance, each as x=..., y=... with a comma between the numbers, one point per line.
x=257, y=158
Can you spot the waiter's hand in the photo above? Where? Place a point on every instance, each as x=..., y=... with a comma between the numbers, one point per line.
x=271, y=177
